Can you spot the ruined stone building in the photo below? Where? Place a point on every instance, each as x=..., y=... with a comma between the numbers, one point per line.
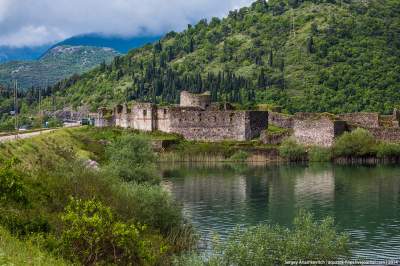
x=195, y=118
x=322, y=129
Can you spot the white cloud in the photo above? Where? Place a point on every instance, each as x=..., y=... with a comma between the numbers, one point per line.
x=35, y=22
x=32, y=36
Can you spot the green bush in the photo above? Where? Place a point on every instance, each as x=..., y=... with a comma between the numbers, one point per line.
x=11, y=186
x=291, y=150
x=93, y=235
x=357, y=143
x=7, y=125
x=148, y=204
x=319, y=154
x=387, y=150
x=239, y=156
x=274, y=245
x=54, y=122
x=131, y=158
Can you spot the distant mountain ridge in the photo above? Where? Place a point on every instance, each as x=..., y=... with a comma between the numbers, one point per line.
x=75, y=55
x=8, y=53
x=56, y=64
x=119, y=44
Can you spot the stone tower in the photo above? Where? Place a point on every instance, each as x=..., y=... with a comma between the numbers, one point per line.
x=195, y=100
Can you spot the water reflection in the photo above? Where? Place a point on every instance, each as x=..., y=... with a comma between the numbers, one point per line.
x=363, y=200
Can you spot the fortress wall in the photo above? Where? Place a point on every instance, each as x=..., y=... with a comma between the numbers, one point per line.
x=122, y=116
x=104, y=118
x=389, y=134
x=208, y=125
x=143, y=115
x=369, y=120
x=280, y=120
x=163, y=122
x=321, y=132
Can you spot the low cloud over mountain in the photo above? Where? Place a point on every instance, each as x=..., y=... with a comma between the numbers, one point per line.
x=36, y=22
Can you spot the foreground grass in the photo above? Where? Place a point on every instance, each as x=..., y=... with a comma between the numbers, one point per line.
x=16, y=252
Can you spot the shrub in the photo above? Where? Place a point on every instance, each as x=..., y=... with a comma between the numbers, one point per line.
x=387, y=150
x=93, y=235
x=239, y=156
x=7, y=125
x=54, y=122
x=148, y=204
x=11, y=186
x=319, y=154
x=291, y=150
x=131, y=158
x=273, y=245
x=357, y=143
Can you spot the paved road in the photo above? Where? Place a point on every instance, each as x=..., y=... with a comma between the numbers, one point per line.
x=22, y=135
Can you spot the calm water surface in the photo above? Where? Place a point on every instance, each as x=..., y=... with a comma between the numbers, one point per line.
x=365, y=201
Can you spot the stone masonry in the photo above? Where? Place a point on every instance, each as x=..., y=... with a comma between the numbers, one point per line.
x=317, y=129
x=196, y=118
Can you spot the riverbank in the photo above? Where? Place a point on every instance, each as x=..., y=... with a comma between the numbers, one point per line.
x=357, y=147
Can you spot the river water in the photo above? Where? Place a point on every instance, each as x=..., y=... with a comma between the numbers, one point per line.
x=364, y=201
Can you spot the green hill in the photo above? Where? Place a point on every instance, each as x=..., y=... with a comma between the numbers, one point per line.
x=335, y=56
x=57, y=64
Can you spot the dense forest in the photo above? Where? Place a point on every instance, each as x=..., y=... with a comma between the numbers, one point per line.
x=335, y=56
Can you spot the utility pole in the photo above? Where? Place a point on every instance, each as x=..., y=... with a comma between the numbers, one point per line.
x=40, y=109
x=16, y=106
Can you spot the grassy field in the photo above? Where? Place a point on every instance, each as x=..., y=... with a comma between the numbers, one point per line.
x=20, y=253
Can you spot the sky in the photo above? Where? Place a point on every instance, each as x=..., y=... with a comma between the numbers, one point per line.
x=38, y=22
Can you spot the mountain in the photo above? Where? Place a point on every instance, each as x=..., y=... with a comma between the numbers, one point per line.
x=120, y=44
x=8, y=53
x=318, y=56
x=56, y=64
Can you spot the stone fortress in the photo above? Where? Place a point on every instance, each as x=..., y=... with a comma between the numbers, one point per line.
x=321, y=129
x=197, y=118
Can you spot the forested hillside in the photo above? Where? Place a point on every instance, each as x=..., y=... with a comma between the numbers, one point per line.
x=320, y=55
